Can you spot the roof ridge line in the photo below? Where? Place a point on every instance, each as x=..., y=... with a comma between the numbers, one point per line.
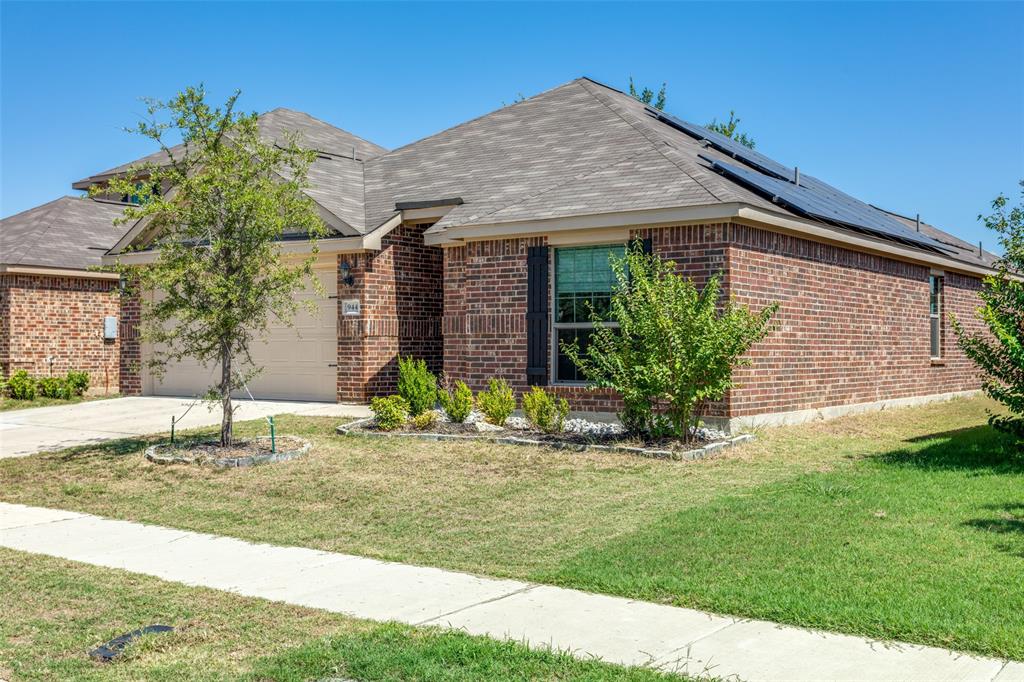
x=326, y=123
x=655, y=146
x=476, y=118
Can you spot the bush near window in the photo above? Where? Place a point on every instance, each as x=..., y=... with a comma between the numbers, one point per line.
x=545, y=411
x=416, y=384
x=21, y=386
x=457, y=401
x=497, y=402
x=390, y=413
x=674, y=347
x=78, y=382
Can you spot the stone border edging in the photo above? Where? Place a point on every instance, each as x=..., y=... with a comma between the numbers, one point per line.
x=686, y=455
x=153, y=455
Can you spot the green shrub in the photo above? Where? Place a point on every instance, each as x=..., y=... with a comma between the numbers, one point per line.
x=3, y=387
x=497, y=402
x=54, y=387
x=21, y=386
x=390, y=413
x=456, y=401
x=674, y=345
x=416, y=384
x=78, y=382
x=544, y=410
x=425, y=420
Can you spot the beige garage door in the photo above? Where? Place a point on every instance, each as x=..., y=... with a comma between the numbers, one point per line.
x=298, y=361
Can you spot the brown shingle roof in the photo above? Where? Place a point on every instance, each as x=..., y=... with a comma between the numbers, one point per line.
x=70, y=232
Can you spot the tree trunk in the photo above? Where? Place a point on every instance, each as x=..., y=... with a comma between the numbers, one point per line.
x=227, y=418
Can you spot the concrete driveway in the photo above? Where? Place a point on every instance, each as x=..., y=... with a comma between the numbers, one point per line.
x=26, y=432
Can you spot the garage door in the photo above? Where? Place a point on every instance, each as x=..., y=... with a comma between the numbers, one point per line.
x=298, y=361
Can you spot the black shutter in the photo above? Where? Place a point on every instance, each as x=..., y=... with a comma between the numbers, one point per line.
x=537, y=316
x=648, y=246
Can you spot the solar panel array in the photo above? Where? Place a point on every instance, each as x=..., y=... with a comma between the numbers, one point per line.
x=812, y=197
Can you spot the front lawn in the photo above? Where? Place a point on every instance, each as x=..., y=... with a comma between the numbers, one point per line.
x=56, y=611
x=903, y=524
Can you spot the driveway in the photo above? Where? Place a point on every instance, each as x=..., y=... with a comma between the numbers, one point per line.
x=26, y=432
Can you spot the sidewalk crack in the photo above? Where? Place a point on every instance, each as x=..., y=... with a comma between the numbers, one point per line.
x=526, y=588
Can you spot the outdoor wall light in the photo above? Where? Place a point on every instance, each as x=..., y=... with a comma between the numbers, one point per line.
x=346, y=274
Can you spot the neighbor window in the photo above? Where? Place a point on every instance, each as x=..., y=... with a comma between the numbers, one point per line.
x=583, y=282
x=935, y=314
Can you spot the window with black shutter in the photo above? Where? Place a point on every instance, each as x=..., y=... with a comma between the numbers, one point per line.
x=583, y=283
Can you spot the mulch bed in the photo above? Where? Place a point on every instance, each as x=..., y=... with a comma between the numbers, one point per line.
x=242, y=453
x=674, y=449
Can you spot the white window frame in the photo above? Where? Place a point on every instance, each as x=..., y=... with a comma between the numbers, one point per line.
x=553, y=310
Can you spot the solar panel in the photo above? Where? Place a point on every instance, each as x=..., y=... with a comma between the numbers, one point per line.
x=816, y=203
x=811, y=197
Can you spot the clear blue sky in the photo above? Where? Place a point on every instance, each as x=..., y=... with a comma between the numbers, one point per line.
x=917, y=107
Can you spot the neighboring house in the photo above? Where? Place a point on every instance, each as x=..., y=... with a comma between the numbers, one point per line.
x=478, y=249
x=53, y=307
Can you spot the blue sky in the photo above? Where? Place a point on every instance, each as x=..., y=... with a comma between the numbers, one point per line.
x=917, y=107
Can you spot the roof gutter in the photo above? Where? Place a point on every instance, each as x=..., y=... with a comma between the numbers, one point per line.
x=458, y=235
x=56, y=272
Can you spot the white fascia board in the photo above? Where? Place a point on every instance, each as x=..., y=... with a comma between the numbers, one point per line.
x=454, y=236
x=299, y=246
x=56, y=272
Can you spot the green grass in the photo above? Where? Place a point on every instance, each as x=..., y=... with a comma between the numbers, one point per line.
x=56, y=611
x=904, y=524
x=7, y=404
x=926, y=543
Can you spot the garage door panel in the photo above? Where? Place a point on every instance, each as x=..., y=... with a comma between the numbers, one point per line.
x=296, y=360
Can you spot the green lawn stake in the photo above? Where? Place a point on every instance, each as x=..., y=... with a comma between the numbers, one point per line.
x=273, y=443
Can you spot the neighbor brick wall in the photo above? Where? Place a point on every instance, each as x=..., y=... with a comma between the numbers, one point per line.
x=853, y=327
x=401, y=298
x=44, y=316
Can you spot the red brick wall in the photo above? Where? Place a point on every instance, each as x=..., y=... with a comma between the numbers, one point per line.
x=61, y=318
x=131, y=344
x=853, y=327
x=401, y=300
x=485, y=311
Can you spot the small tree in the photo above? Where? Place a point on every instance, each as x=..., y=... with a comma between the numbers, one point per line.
x=728, y=128
x=647, y=95
x=1000, y=353
x=674, y=347
x=218, y=207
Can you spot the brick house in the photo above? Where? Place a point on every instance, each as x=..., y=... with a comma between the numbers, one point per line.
x=477, y=249
x=53, y=307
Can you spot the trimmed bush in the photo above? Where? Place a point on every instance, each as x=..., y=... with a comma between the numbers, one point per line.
x=416, y=385
x=54, y=387
x=425, y=420
x=457, y=401
x=78, y=382
x=497, y=402
x=21, y=386
x=390, y=413
x=545, y=411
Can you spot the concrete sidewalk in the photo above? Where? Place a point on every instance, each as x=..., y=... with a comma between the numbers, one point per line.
x=589, y=625
x=39, y=429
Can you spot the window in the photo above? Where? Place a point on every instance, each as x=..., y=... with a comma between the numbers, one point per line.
x=935, y=314
x=583, y=282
